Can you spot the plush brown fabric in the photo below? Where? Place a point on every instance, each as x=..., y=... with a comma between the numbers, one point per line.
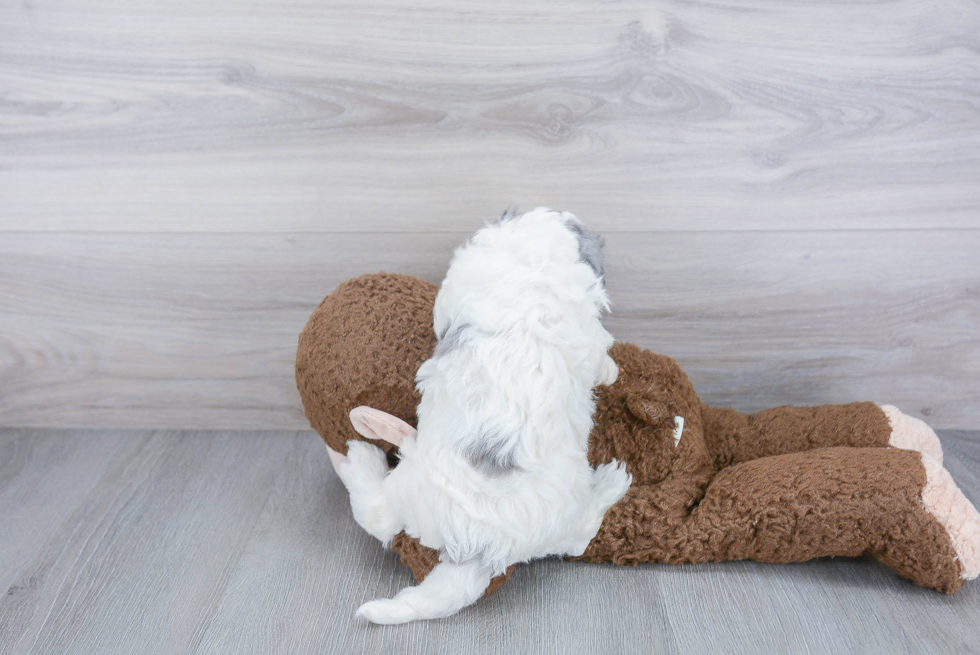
x=783, y=485
x=733, y=437
x=362, y=346
x=790, y=508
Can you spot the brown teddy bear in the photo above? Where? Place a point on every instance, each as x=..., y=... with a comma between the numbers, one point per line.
x=784, y=485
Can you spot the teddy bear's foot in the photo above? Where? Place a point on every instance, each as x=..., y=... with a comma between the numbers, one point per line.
x=912, y=434
x=944, y=500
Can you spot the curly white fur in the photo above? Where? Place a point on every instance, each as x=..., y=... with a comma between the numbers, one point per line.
x=498, y=472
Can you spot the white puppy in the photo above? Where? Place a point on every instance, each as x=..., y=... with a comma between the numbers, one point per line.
x=497, y=472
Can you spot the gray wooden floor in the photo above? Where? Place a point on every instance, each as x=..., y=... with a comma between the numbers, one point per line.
x=242, y=542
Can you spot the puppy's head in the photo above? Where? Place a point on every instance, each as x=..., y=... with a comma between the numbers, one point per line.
x=589, y=244
x=530, y=226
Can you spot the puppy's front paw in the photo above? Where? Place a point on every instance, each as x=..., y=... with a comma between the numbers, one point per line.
x=609, y=371
x=387, y=611
x=362, y=469
x=610, y=482
x=367, y=460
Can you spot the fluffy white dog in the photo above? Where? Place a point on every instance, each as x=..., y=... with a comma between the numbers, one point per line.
x=497, y=472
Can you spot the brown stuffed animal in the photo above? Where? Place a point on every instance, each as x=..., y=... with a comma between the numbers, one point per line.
x=784, y=485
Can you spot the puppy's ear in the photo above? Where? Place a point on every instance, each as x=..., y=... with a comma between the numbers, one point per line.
x=375, y=424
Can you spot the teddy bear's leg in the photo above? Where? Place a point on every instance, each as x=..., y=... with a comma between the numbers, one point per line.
x=791, y=508
x=733, y=437
x=839, y=501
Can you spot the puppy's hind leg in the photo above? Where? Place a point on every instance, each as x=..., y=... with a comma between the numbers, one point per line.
x=448, y=589
x=363, y=472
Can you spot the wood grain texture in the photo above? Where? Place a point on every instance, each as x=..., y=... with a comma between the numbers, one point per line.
x=44, y=479
x=387, y=116
x=789, y=190
x=242, y=542
x=185, y=331
x=147, y=552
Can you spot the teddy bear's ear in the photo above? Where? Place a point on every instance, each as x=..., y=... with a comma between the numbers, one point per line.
x=648, y=407
x=372, y=423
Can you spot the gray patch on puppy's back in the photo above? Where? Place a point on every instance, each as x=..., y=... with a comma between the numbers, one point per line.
x=450, y=340
x=492, y=455
x=589, y=246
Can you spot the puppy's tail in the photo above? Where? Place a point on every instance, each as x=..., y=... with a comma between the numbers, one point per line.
x=448, y=589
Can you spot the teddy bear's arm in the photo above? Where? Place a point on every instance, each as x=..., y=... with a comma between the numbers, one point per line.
x=733, y=437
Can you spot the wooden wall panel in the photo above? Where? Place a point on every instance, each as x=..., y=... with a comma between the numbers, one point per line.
x=176, y=330
x=790, y=191
x=388, y=116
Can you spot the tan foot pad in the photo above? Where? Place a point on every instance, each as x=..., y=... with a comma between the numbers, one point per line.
x=944, y=500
